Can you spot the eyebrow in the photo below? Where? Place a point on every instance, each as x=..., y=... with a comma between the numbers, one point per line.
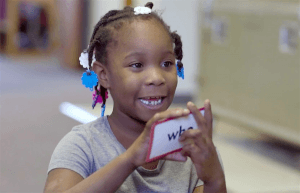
x=142, y=53
x=134, y=53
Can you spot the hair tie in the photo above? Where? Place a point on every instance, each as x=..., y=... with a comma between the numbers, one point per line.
x=141, y=10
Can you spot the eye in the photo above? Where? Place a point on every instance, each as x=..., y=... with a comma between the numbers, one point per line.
x=167, y=64
x=136, y=65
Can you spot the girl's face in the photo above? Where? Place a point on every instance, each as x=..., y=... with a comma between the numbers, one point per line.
x=141, y=70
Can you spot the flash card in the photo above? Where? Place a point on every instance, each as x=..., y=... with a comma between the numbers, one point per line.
x=165, y=134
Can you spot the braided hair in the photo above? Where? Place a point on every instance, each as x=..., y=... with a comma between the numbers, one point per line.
x=113, y=20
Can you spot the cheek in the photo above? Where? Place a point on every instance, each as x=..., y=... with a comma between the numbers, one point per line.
x=125, y=84
x=173, y=80
x=131, y=84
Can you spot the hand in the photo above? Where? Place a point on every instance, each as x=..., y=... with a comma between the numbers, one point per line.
x=198, y=145
x=138, y=150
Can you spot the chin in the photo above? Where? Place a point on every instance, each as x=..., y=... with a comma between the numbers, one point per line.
x=141, y=119
x=145, y=117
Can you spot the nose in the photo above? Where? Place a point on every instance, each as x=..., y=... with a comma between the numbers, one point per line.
x=154, y=76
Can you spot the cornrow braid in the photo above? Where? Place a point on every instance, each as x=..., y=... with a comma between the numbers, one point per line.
x=113, y=20
x=103, y=21
x=102, y=92
x=178, y=48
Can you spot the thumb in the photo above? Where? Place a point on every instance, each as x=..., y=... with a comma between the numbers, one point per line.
x=171, y=113
x=151, y=122
x=156, y=118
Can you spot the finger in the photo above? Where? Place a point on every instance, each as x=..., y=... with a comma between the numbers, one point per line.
x=186, y=141
x=209, y=117
x=174, y=113
x=189, y=150
x=185, y=153
x=200, y=120
x=171, y=113
x=190, y=134
x=177, y=156
x=194, y=136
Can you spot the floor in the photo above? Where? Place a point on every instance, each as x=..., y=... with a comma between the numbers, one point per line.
x=32, y=93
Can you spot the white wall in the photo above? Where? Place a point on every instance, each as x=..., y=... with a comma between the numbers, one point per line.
x=98, y=8
x=182, y=16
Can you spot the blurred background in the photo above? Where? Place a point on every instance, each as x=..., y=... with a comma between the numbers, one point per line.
x=244, y=55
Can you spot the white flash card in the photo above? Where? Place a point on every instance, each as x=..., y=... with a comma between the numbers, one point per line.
x=164, y=136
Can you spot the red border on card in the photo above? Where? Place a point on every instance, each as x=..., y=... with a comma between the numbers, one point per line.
x=151, y=141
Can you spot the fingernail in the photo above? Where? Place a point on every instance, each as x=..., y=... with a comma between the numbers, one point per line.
x=186, y=111
x=191, y=104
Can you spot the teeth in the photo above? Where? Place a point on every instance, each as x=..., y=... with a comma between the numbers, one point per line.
x=148, y=98
x=151, y=102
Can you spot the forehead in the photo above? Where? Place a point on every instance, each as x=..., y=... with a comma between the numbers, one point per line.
x=141, y=35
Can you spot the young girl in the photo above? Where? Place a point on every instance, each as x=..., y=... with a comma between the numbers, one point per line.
x=135, y=55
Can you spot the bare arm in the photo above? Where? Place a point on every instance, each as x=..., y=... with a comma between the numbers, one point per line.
x=107, y=179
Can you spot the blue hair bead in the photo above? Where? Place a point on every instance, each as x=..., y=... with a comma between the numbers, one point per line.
x=95, y=101
x=89, y=79
x=180, y=72
x=103, y=110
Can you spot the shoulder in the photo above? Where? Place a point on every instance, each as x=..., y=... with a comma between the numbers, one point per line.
x=84, y=139
x=87, y=130
x=75, y=151
x=81, y=136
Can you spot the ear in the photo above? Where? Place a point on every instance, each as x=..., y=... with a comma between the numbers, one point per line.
x=102, y=73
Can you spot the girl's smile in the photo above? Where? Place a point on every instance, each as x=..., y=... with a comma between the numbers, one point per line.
x=152, y=102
